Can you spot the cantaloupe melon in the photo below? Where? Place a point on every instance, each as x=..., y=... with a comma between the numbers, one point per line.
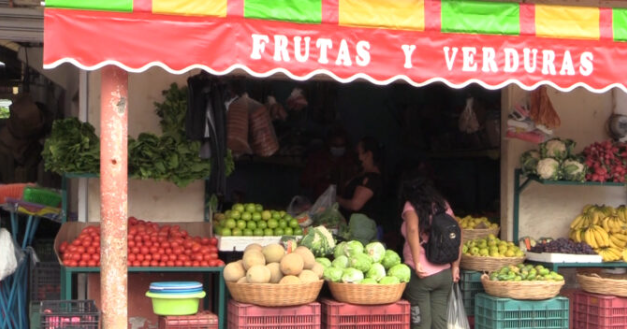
x=307, y=276
x=258, y=274
x=318, y=269
x=253, y=246
x=234, y=271
x=252, y=258
x=275, y=272
x=308, y=257
x=243, y=280
x=290, y=279
x=273, y=252
x=292, y=264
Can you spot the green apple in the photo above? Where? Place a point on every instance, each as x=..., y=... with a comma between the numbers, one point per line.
x=247, y=232
x=225, y=232
x=273, y=223
x=230, y=223
x=237, y=232
x=279, y=231
x=247, y=216
x=298, y=231
x=256, y=216
x=275, y=214
x=293, y=223
x=258, y=208
x=236, y=214
x=268, y=232
x=289, y=231
x=251, y=225
x=241, y=224
x=238, y=207
x=250, y=207
x=282, y=213
x=282, y=223
x=262, y=224
x=258, y=232
x=266, y=214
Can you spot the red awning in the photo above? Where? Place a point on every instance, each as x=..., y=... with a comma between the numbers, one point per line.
x=138, y=40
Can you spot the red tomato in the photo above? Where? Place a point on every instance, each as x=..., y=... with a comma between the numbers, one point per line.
x=145, y=250
x=195, y=247
x=154, y=263
x=187, y=251
x=213, y=241
x=179, y=263
x=131, y=257
x=90, y=250
x=187, y=244
x=148, y=243
x=213, y=262
x=146, y=263
x=174, y=244
x=91, y=263
x=70, y=263
x=173, y=257
x=204, y=263
x=148, y=257
x=76, y=257
x=207, y=257
x=86, y=242
x=195, y=263
x=132, y=230
x=204, y=241
x=131, y=243
x=169, y=263
x=153, y=249
x=213, y=249
x=85, y=257
x=162, y=264
x=140, y=257
x=63, y=247
x=82, y=263
x=183, y=257
x=213, y=255
x=80, y=249
x=187, y=263
x=220, y=263
x=156, y=256
x=184, y=234
x=71, y=248
x=197, y=257
x=137, y=263
x=95, y=257
x=161, y=251
x=165, y=244
x=137, y=238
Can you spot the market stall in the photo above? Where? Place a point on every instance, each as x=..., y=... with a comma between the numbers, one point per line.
x=418, y=42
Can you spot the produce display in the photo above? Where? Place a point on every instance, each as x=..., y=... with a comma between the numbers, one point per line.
x=564, y=246
x=253, y=220
x=371, y=264
x=491, y=246
x=273, y=264
x=72, y=147
x=607, y=161
x=522, y=272
x=603, y=228
x=471, y=223
x=149, y=245
x=554, y=161
x=319, y=240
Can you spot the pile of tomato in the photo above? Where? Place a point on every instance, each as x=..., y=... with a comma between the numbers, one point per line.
x=149, y=245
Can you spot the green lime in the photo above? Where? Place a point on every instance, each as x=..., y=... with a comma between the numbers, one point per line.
x=247, y=216
x=230, y=223
x=279, y=231
x=236, y=214
x=293, y=223
x=225, y=232
x=227, y=214
x=251, y=225
x=258, y=208
x=250, y=207
x=273, y=223
x=248, y=232
x=282, y=213
x=258, y=232
x=238, y=207
x=288, y=231
x=266, y=214
x=241, y=224
x=256, y=216
x=298, y=231
x=282, y=223
x=262, y=224
x=276, y=215
x=237, y=232
x=268, y=232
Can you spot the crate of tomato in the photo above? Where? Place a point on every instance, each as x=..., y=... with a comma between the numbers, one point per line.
x=149, y=244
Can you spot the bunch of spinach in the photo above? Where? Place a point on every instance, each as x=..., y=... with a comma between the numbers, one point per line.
x=73, y=146
x=172, y=111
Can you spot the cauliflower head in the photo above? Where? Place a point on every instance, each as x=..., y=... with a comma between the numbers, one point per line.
x=557, y=148
x=573, y=170
x=549, y=168
x=529, y=161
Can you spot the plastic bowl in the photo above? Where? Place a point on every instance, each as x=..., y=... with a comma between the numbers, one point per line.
x=175, y=304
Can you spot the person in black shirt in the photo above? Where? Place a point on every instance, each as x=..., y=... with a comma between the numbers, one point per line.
x=363, y=193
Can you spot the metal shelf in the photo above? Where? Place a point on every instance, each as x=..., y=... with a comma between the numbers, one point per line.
x=555, y=266
x=219, y=285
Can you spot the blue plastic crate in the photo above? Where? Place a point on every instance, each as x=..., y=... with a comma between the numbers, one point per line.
x=471, y=285
x=505, y=313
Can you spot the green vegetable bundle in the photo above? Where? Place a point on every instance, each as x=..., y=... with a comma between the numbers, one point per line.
x=166, y=158
x=72, y=147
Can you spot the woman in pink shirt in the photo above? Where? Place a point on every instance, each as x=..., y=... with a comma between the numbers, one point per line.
x=430, y=284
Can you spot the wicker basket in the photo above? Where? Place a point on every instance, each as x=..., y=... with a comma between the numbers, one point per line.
x=268, y=294
x=603, y=284
x=488, y=264
x=367, y=294
x=531, y=290
x=469, y=235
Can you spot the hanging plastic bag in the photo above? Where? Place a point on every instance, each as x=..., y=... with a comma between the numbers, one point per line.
x=324, y=201
x=457, y=318
x=298, y=205
x=11, y=255
x=468, y=120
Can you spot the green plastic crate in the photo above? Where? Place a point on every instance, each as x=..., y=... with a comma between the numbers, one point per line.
x=42, y=196
x=471, y=285
x=505, y=313
x=33, y=315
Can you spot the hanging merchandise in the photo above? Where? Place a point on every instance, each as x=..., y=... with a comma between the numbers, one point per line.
x=237, y=126
x=277, y=112
x=262, y=135
x=11, y=255
x=541, y=110
x=297, y=100
x=520, y=126
x=468, y=122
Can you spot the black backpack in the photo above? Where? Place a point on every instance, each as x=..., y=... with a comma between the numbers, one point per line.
x=444, y=239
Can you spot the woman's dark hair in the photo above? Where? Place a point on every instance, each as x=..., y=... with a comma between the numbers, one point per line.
x=424, y=197
x=370, y=144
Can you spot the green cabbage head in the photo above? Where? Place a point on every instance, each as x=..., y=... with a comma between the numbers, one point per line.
x=401, y=271
x=376, y=272
x=340, y=262
x=376, y=251
x=390, y=259
x=333, y=274
x=352, y=275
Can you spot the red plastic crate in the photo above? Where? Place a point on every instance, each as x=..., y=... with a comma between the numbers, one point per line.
x=570, y=294
x=245, y=316
x=336, y=315
x=201, y=320
x=592, y=311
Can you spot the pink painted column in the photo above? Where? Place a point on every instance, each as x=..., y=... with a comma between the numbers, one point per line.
x=114, y=196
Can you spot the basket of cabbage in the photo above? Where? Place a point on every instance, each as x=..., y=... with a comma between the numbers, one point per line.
x=365, y=275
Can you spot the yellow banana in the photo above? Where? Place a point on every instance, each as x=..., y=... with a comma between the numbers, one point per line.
x=589, y=239
x=601, y=236
x=617, y=242
x=605, y=223
x=577, y=223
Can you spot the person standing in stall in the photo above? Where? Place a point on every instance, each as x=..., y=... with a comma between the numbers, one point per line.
x=363, y=193
x=430, y=284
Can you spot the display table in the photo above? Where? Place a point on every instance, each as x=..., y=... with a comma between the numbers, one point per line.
x=219, y=300
x=555, y=266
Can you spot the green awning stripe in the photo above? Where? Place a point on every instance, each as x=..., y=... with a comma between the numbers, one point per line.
x=300, y=11
x=480, y=17
x=619, y=24
x=104, y=5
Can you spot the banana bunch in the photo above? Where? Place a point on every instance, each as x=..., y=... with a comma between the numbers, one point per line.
x=582, y=221
x=611, y=254
x=597, y=237
x=577, y=235
x=613, y=224
x=618, y=240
